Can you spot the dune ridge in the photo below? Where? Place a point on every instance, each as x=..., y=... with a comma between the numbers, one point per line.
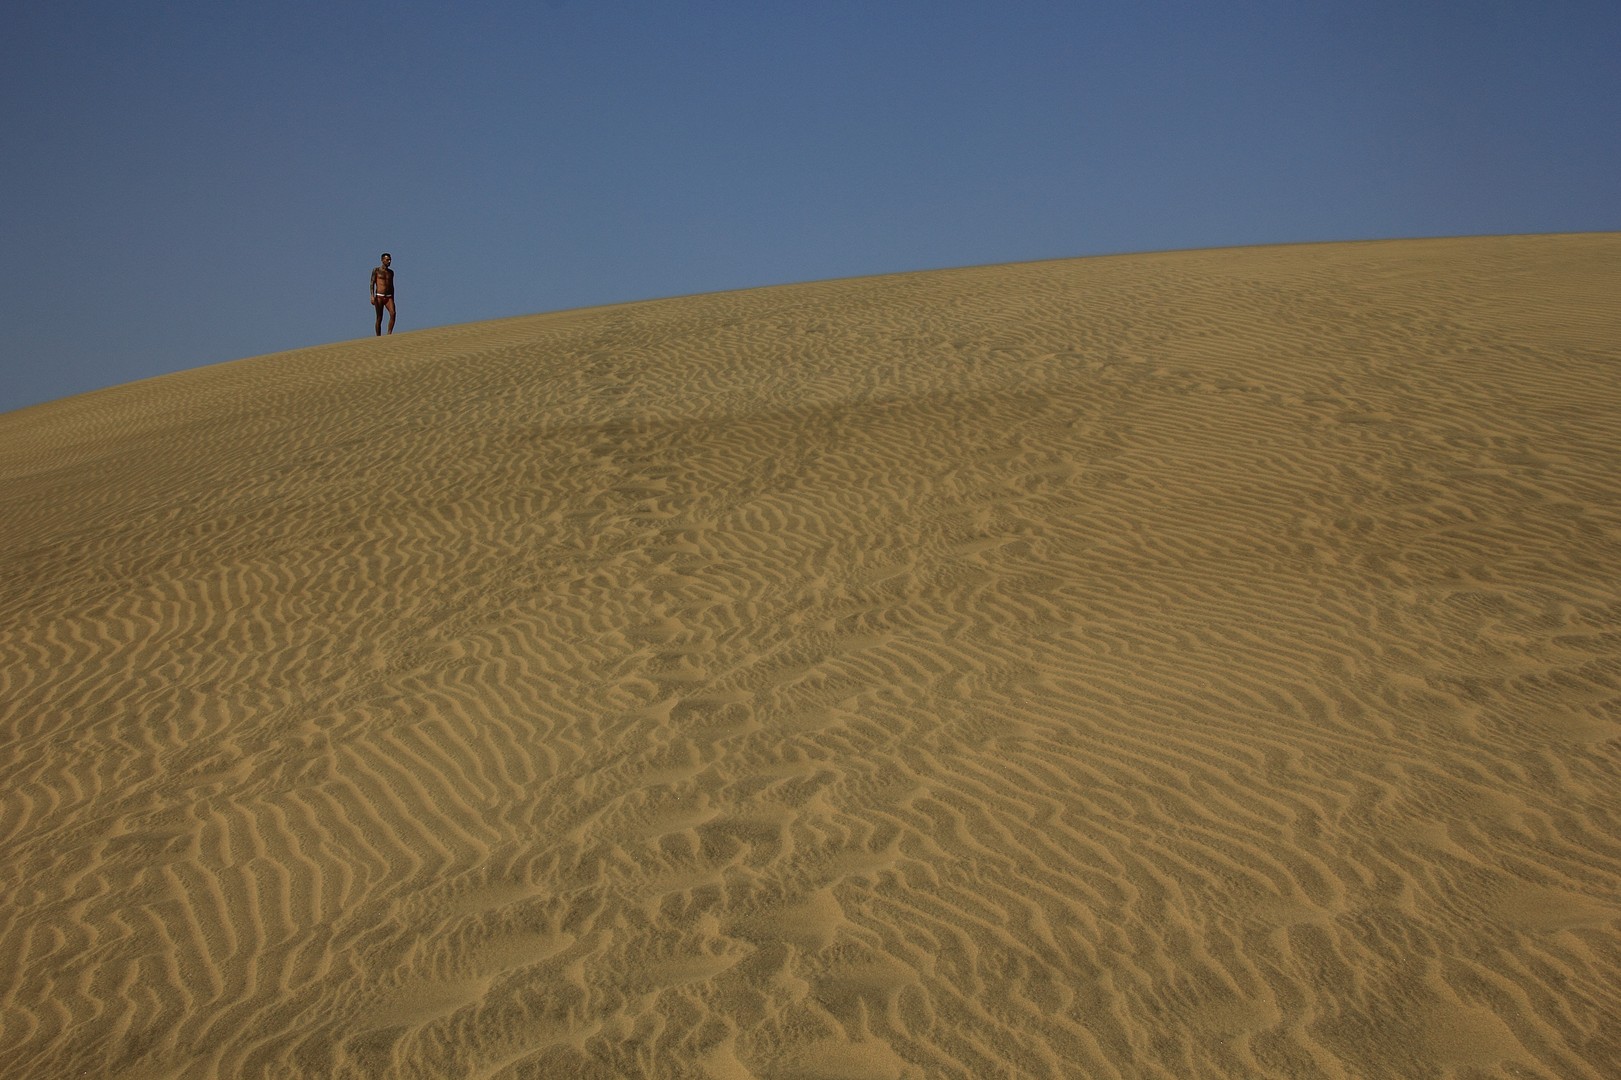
x=1199, y=664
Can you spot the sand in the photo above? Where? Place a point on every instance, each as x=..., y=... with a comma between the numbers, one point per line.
x=1202, y=664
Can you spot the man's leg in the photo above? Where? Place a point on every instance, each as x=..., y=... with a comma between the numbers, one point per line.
x=390, y=315
x=378, y=306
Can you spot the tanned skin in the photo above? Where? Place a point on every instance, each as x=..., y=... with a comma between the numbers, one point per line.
x=382, y=292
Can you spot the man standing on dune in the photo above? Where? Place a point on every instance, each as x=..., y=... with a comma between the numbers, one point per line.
x=382, y=293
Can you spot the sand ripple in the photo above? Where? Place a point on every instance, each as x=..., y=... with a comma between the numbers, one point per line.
x=1190, y=665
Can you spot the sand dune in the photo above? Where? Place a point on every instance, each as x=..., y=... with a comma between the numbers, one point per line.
x=1185, y=665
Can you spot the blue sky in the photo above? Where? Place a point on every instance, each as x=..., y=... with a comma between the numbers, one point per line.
x=191, y=182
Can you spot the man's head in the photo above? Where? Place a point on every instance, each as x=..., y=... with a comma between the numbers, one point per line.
x=386, y=258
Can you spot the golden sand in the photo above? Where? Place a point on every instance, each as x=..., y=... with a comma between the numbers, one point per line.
x=1184, y=665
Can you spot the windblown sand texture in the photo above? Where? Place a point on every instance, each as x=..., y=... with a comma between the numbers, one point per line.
x=1186, y=665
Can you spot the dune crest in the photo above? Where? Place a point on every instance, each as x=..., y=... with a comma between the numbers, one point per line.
x=1203, y=664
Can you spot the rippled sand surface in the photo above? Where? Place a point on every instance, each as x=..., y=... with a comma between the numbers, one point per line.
x=1185, y=665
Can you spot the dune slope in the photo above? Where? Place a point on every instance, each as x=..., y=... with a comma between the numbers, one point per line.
x=1202, y=664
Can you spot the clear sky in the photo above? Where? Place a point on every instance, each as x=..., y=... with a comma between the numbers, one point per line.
x=184, y=182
